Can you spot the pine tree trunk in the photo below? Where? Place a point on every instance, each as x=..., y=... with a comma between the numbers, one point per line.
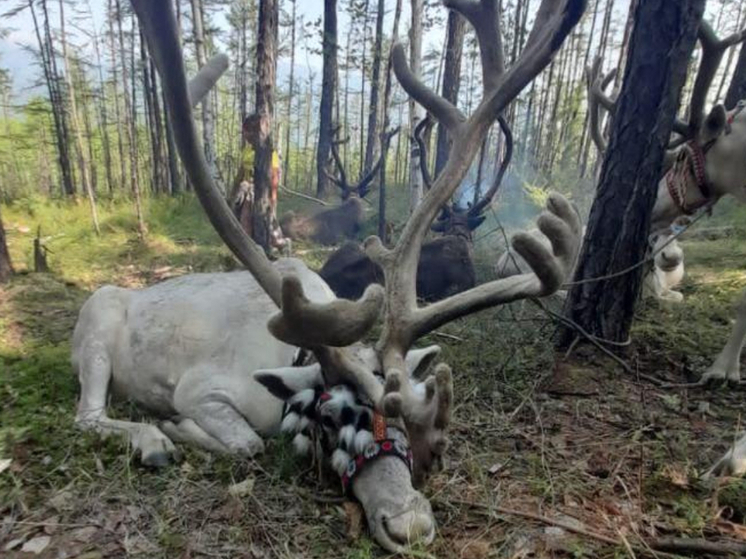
x=208, y=114
x=46, y=53
x=83, y=162
x=328, y=90
x=291, y=93
x=451, y=81
x=737, y=88
x=129, y=125
x=117, y=109
x=382, y=232
x=620, y=215
x=6, y=268
x=415, y=111
x=266, y=78
x=103, y=118
x=371, y=145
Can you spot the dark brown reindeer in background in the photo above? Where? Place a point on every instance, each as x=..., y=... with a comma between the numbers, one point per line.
x=446, y=264
x=331, y=226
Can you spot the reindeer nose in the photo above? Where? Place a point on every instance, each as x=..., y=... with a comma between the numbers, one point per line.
x=415, y=525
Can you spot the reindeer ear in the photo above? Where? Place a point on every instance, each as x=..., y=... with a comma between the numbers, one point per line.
x=285, y=382
x=419, y=360
x=439, y=226
x=714, y=124
x=475, y=221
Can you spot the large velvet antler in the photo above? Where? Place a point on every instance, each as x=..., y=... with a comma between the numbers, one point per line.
x=335, y=324
x=404, y=322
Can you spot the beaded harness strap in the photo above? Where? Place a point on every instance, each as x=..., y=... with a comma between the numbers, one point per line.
x=690, y=161
x=381, y=446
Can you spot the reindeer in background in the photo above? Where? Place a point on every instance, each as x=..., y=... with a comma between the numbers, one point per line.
x=704, y=163
x=446, y=264
x=329, y=227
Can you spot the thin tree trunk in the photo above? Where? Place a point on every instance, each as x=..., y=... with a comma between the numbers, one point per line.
x=208, y=115
x=266, y=71
x=382, y=231
x=6, y=267
x=46, y=52
x=451, y=81
x=328, y=90
x=620, y=217
x=372, y=140
x=129, y=126
x=291, y=92
x=103, y=117
x=415, y=112
x=117, y=110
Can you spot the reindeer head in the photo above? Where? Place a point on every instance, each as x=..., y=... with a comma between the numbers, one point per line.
x=705, y=158
x=381, y=386
x=453, y=220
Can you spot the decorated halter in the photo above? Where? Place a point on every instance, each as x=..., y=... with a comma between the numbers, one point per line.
x=690, y=163
x=339, y=423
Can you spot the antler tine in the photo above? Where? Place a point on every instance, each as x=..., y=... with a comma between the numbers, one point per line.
x=597, y=83
x=443, y=110
x=712, y=54
x=342, y=320
x=486, y=200
x=404, y=322
x=206, y=78
x=483, y=17
x=420, y=131
x=362, y=187
x=342, y=182
x=561, y=224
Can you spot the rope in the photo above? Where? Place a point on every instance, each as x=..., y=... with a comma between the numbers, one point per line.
x=650, y=257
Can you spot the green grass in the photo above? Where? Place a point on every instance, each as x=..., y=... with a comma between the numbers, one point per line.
x=499, y=357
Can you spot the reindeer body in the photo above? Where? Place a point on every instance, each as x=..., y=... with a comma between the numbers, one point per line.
x=184, y=350
x=446, y=267
x=326, y=227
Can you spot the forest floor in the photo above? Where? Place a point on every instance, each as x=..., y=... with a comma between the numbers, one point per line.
x=550, y=456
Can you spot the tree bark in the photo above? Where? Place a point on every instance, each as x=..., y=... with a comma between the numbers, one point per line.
x=6, y=268
x=737, y=88
x=328, y=90
x=266, y=72
x=208, y=114
x=451, y=81
x=620, y=215
x=291, y=92
x=415, y=111
x=83, y=161
x=371, y=144
x=382, y=231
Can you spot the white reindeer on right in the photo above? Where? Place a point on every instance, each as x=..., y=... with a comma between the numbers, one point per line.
x=706, y=163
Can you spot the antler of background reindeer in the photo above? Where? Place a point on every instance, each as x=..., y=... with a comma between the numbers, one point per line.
x=421, y=136
x=712, y=54
x=325, y=328
x=363, y=186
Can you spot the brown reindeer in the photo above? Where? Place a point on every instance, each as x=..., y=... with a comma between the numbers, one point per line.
x=446, y=264
x=380, y=425
x=330, y=226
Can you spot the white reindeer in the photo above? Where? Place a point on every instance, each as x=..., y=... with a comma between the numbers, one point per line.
x=200, y=350
x=666, y=270
x=709, y=165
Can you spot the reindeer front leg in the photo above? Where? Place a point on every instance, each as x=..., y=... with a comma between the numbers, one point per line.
x=727, y=364
x=94, y=374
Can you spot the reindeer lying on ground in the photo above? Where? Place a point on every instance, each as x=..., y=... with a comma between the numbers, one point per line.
x=707, y=165
x=330, y=226
x=446, y=264
x=194, y=350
